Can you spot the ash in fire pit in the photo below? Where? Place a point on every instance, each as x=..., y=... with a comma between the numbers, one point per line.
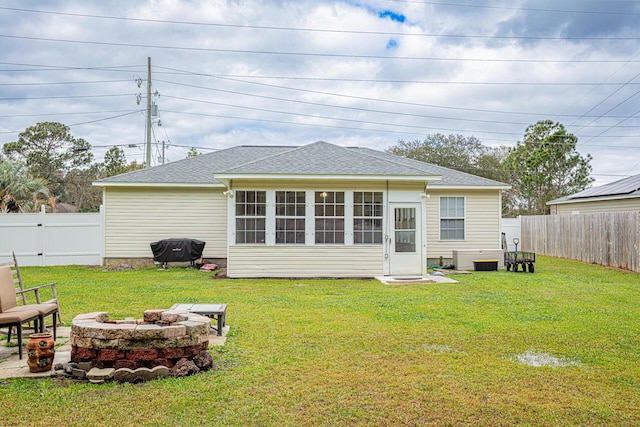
x=161, y=338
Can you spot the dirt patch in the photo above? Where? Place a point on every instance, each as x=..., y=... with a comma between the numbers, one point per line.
x=543, y=359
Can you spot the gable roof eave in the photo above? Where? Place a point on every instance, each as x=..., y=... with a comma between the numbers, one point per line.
x=470, y=187
x=158, y=184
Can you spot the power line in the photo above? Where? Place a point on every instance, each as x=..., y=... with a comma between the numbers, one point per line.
x=615, y=106
x=63, y=83
x=42, y=67
x=334, y=106
x=433, y=129
x=395, y=102
x=331, y=118
x=292, y=123
x=443, y=82
x=66, y=68
x=612, y=126
x=342, y=31
x=316, y=116
x=104, y=119
x=71, y=113
x=85, y=122
x=323, y=55
x=27, y=98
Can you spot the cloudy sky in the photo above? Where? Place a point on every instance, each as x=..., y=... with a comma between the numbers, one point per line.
x=353, y=73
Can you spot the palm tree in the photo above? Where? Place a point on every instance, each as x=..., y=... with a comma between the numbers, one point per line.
x=19, y=191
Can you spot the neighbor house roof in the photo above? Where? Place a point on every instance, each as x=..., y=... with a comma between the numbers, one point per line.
x=319, y=159
x=624, y=188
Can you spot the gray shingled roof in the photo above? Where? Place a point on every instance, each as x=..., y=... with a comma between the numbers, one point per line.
x=195, y=170
x=449, y=176
x=319, y=158
x=322, y=158
x=624, y=187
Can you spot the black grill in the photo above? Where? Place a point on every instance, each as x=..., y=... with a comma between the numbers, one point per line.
x=177, y=250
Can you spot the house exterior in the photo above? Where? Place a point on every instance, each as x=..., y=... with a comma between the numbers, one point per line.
x=618, y=196
x=317, y=210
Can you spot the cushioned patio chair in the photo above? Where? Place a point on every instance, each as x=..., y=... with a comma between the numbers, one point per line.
x=17, y=318
x=11, y=314
x=48, y=290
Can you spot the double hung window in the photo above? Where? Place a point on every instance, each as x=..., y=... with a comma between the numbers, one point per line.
x=329, y=217
x=251, y=211
x=290, y=217
x=367, y=218
x=451, y=218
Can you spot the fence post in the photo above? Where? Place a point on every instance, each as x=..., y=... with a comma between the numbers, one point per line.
x=102, y=234
x=42, y=225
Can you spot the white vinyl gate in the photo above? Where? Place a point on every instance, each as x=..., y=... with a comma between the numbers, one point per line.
x=511, y=228
x=44, y=239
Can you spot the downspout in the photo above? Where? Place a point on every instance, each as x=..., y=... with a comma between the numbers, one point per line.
x=230, y=222
x=424, y=230
x=387, y=241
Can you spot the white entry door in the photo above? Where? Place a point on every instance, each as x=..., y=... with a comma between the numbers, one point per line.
x=406, y=239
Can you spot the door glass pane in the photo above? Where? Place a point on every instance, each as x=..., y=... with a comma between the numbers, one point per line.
x=405, y=241
x=405, y=218
x=405, y=229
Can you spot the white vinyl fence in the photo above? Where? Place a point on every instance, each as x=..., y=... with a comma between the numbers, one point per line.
x=44, y=239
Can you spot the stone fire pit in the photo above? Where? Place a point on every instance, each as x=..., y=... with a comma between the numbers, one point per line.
x=160, y=338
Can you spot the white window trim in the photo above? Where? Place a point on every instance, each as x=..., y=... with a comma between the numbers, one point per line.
x=348, y=213
x=382, y=218
x=464, y=218
x=266, y=226
x=270, y=219
x=275, y=218
x=348, y=218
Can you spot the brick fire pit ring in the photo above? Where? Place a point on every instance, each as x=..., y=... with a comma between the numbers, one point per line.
x=160, y=338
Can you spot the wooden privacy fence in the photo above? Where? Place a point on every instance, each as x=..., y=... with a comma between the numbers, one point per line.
x=610, y=239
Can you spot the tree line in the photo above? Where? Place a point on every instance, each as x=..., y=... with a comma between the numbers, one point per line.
x=47, y=165
x=542, y=167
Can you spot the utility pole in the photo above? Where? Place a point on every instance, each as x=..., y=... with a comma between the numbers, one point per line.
x=148, y=112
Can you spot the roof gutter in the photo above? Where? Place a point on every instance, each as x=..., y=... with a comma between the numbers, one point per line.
x=226, y=178
x=470, y=187
x=157, y=184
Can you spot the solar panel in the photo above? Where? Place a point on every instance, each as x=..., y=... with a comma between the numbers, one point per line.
x=617, y=188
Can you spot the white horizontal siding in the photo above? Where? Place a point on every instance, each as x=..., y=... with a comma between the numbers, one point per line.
x=136, y=217
x=482, y=222
x=305, y=261
x=603, y=206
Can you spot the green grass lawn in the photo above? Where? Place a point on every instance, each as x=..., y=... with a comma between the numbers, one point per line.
x=357, y=352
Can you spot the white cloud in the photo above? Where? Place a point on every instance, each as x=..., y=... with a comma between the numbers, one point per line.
x=292, y=99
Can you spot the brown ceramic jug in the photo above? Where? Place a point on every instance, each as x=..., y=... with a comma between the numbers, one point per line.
x=41, y=351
